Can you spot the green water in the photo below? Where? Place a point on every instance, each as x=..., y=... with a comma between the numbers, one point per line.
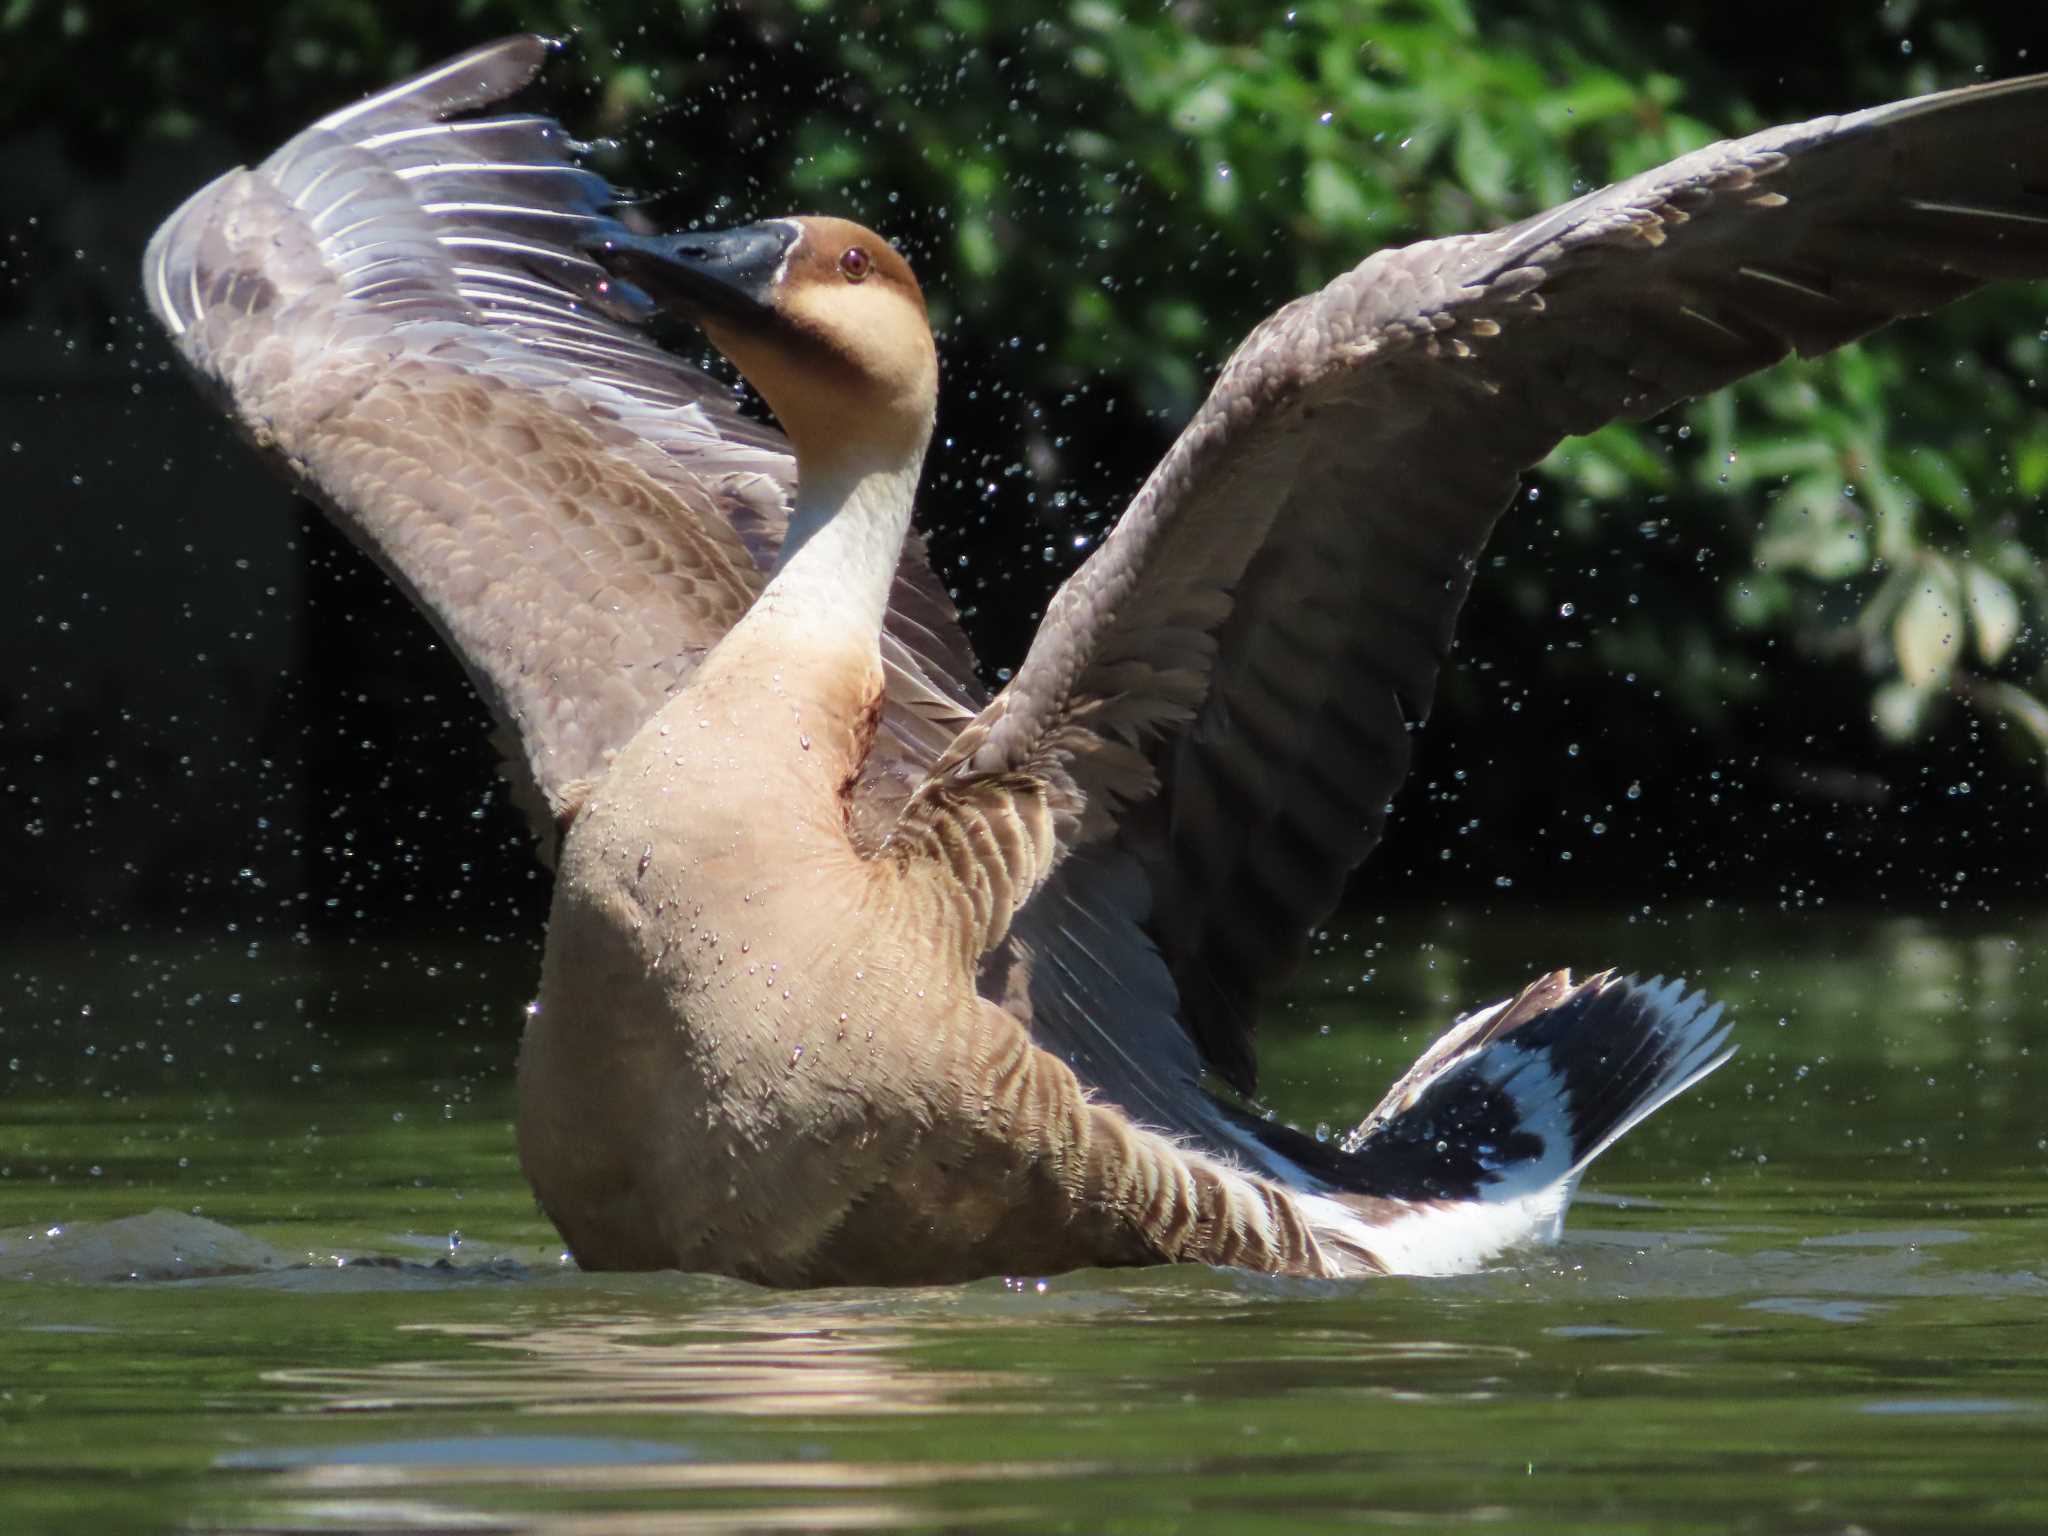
x=1812, y=1297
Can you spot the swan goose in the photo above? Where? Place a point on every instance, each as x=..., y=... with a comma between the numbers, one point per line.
x=855, y=973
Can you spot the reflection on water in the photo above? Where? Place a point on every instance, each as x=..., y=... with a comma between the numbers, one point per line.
x=392, y=1487
x=777, y=1359
x=699, y=1406
x=1808, y=1297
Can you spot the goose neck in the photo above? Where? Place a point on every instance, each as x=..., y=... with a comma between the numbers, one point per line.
x=839, y=559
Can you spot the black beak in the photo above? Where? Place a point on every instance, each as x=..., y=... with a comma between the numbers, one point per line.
x=723, y=274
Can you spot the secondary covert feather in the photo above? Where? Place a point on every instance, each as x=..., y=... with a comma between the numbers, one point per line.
x=855, y=973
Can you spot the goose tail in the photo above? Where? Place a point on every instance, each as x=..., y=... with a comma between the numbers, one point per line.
x=1478, y=1149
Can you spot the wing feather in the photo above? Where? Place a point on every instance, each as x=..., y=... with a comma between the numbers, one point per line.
x=1266, y=623
x=394, y=308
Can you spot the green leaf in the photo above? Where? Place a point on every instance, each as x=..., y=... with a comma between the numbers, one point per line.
x=1714, y=417
x=1928, y=631
x=629, y=92
x=1775, y=458
x=1889, y=496
x=1893, y=506
x=1220, y=182
x=1935, y=476
x=830, y=165
x=1609, y=463
x=1813, y=527
x=2030, y=465
x=1332, y=195
x=1899, y=708
x=1594, y=99
x=1481, y=164
x=2019, y=705
x=1098, y=16
x=1859, y=379
x=966, y=16
x=1456, y=16
x=976, y=244
x=1994, y=613
x=1204, y=109
x=1758, y=600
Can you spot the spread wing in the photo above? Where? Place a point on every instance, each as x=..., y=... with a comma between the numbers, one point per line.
x=1219, y=702
x=393, y=306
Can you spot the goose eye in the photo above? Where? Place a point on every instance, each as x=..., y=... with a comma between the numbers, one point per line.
x=855, y=264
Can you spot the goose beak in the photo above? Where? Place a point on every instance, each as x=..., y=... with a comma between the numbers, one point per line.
x=727, y=274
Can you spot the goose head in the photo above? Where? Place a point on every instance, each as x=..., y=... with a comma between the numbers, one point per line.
x=822, y=316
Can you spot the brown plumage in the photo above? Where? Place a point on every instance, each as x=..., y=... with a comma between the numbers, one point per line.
x=855, y=973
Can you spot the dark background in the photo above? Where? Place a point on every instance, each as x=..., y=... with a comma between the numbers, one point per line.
x=220, y=727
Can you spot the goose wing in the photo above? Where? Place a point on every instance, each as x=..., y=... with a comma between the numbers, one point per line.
x=394, y=307
x=1219, y=702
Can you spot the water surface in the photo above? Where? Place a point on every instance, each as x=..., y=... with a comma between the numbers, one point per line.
x=1810, y=1297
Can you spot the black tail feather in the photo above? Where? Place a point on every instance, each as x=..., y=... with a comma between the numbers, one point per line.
x=1519, y=1096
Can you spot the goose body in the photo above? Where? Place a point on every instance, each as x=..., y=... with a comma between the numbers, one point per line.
x=855, y=973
